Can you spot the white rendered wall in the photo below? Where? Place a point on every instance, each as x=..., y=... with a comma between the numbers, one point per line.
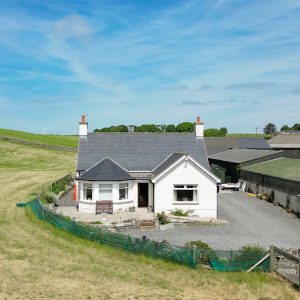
x=199, y=130
x=83, y=129
x=187, y=172
x=118, y=205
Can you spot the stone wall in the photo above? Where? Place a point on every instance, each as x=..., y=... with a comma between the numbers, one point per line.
x=39, y=145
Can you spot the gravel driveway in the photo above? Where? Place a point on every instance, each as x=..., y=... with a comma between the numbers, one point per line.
x=252, y=221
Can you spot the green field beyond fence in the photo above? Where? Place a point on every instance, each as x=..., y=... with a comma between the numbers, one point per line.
x=219, y=260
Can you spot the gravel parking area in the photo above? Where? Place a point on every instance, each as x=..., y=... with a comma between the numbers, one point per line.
x=251, y=221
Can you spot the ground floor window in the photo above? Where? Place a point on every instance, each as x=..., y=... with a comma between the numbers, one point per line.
x=105, y=192
x=123, y=191
x=185, y=192
x=87, y=191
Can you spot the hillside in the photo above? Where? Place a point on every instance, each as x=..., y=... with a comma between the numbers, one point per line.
x=48, y=263
x=54, y=140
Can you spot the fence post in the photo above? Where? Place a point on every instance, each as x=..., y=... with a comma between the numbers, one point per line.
x=299, y=277
x=272, y=259
x=194, y=256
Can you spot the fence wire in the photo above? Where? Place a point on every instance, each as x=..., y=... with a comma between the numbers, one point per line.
x=219, y=260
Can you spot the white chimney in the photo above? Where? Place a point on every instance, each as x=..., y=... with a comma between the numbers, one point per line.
x=199, y=128
x=83, y=127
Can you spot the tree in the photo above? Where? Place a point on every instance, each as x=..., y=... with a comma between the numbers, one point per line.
x=270, y=128
x=211, y=132
x=119, y=128
x=296, y=126
x=223, y=131
x=148, y=128
x=285, y=127
x=185, y=127
x=171, y=128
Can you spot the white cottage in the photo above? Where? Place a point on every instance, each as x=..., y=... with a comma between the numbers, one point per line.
x=159, y=171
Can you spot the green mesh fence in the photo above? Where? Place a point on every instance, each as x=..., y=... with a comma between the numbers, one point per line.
x=219, y=260
x=151, y=248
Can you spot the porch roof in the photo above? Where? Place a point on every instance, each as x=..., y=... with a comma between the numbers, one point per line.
x=106, y=170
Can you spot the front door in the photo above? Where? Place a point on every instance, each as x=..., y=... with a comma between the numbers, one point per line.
x=143, y=194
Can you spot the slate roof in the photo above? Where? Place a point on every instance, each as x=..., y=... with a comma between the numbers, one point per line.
x=139, y=151
x=105, y=170
x=285, y=141
x=220, y=144
x=167, y=163
x=244, y=155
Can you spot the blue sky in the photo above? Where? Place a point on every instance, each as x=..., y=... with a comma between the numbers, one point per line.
x=233, y=63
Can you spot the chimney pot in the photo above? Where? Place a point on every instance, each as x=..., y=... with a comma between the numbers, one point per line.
x=198, y=120
x=83, y=119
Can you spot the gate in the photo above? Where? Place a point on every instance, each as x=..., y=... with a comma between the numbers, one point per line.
x=286, y=264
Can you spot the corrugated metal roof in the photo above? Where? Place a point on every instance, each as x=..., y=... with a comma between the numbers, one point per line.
x=220, y=144
x=287, y=168
x=242, y=155
x=138, y=151
x=285, y=141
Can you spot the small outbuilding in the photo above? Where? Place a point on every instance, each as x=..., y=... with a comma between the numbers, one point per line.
x=232, y=160
x=278, y=178
x=289, y=142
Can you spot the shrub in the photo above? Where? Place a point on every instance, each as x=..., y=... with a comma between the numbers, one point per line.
x=180, y=213
x=203, y=257
x=249, y=255
x=48, y=197
x=162, y=218
x=199, y=244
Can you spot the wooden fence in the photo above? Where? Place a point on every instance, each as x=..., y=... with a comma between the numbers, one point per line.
x=286, y=264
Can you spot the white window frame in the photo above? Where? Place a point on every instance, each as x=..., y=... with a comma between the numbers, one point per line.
x=124, y=187
x=87, y=186
x=186, y=187
x=106, y=187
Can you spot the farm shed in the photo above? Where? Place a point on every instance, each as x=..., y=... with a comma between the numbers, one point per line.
x=232, y=160
x=219, y=172
x=279, y=178
x=290, y=143
x=220, y=144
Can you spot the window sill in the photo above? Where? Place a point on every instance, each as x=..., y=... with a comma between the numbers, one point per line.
x=185, y=203
x=125, y=201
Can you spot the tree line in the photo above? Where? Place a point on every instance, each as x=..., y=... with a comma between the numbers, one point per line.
x=181, y=127
x=271, y=128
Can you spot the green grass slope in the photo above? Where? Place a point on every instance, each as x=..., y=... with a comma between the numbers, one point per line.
x=54, y=140
x=39, y=261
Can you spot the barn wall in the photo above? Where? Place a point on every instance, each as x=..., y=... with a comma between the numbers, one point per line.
x=285, y=192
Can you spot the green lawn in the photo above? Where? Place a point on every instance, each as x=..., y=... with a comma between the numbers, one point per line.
x=56, y=140
x=39, y=261
x=282, y=167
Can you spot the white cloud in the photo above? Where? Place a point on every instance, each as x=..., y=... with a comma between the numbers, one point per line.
x=72, y=26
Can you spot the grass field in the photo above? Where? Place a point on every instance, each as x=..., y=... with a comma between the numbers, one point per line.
x=283, y=167
x=56, y=140
x=41, y=262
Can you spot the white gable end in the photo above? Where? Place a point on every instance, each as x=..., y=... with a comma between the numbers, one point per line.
x=186, y=173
